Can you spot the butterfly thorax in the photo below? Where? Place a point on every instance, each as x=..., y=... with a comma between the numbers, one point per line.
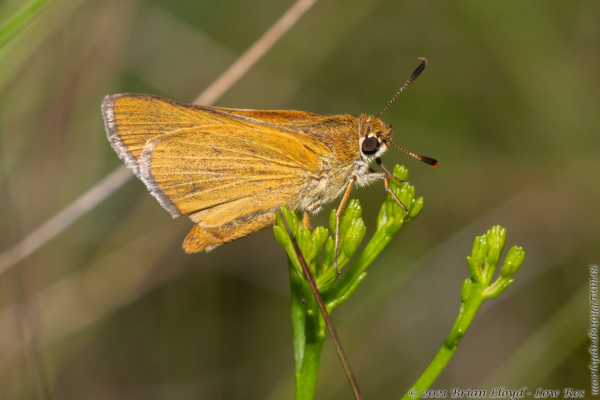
x=344, y=136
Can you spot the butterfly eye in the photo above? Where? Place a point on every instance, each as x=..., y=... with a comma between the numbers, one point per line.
x=370, y=146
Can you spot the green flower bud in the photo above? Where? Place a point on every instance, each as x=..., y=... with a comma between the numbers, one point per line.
x=415, y=208
x=496, y=238
x=391, y=215
x=406, y=194
x=353, y=237
x=512, y=262
x=304, y=239
x=385, y=216
x=320, y=235
x=477, y=257
x=352, y=211
x=281, y=234
x=467, y=288
x=400, y=172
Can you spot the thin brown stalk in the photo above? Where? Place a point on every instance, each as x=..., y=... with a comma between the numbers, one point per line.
x=313, y=287
x=63, y=219
x=103, y=189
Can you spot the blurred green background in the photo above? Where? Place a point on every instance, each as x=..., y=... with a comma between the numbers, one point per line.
x=112, y=308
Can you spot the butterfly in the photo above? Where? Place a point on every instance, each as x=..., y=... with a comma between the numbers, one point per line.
x=229, y=169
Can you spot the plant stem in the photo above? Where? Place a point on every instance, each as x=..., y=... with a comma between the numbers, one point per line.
x=307, y=381
x=308, y=338
x=431, y=373
x=467, y=312
x=313, y=318
x=315, y=337
x=375, y=246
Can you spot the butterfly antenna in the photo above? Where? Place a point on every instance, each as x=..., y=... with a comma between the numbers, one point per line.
x=414, y=75
x=426, y=160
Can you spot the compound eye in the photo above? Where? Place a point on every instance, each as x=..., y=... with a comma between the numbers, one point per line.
x=370, y=146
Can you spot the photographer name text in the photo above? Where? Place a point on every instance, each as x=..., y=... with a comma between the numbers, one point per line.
x=498, y=393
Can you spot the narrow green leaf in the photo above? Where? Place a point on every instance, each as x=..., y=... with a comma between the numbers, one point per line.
x=19, y=20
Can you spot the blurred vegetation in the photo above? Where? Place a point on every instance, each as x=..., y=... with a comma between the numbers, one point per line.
x=113, y=308
x=20, y=19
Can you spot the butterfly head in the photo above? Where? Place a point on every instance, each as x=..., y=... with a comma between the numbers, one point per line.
x=374, y=137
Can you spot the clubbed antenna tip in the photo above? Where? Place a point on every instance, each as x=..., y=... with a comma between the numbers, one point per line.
x=414, y=75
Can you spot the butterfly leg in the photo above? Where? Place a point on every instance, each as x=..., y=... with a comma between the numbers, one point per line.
x=306, y=220
x=307, y=211
x=338, y=216
x=387, y=171
x=386, y=182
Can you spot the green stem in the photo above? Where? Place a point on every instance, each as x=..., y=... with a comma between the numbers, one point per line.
x=309, y=336
x=307, y=379
x=467, y=312
x=298, y=317
x=350, y=279
x=431, y=373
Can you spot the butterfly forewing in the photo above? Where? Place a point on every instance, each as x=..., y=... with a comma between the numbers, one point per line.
x=228, y=170
x=199, y=170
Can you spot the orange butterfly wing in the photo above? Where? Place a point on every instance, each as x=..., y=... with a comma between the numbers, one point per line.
x=224, y=168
